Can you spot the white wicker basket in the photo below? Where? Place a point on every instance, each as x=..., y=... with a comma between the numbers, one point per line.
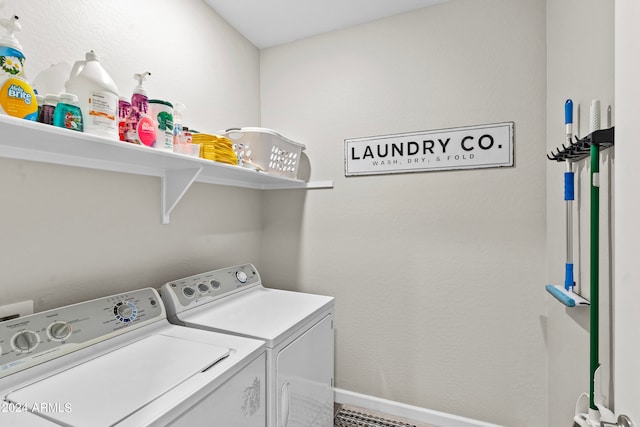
x=265, y=150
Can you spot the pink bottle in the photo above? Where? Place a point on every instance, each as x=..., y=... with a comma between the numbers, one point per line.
x=139, y=126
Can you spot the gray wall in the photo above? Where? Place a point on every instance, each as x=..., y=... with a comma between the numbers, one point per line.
x=438, y=277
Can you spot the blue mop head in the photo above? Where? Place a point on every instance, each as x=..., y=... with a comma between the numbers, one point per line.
x=567, y=297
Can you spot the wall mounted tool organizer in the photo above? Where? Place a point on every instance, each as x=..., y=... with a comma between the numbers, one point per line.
x=581, y=148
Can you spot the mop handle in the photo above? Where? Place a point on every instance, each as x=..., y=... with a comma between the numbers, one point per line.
x=569, y=197
x=568, y=119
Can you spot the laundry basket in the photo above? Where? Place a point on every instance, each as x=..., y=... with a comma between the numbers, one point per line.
x=265, y=150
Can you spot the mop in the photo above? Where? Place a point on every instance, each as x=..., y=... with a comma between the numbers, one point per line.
x=565, y=294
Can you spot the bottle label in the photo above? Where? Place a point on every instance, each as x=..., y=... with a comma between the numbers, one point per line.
x=18, y=99
x=11, y=61
x=164, y=123
x=73, y=119
x=46, y=114
x=146, y=131
x=102, y=111
x=124, y=109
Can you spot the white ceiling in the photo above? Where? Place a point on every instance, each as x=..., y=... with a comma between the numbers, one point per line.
x=269, y=23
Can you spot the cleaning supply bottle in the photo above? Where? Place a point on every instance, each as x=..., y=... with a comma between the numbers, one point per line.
x=68, y=114
x=178, y=132
x=187, y=136
x=17, y=97
x=52, y=79
x=97, y=96
x=162, y=114
x=40, y=99
x=124, y=109
x=140, y=128
x=48, y=109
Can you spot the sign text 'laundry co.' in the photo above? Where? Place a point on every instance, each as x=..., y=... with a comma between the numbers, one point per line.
x=469, y=147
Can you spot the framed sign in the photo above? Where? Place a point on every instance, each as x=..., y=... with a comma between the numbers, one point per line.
x=469, y=147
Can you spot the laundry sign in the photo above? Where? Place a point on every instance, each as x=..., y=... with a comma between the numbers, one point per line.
x=469, y=147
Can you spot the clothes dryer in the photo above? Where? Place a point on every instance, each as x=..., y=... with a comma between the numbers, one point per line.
x=296, y=327
x=117, y=361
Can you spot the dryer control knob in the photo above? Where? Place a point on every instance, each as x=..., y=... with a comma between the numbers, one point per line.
x=188, y=291
x=59, y=331
x=25, y=341
x=241, y=276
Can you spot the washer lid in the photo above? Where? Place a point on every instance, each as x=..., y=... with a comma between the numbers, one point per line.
x=22, y=418
x=105, y=390
x=263, y=313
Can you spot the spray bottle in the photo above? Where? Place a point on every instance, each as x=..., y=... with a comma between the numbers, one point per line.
x=140, y=128
x=17, y=97
x=178, y=133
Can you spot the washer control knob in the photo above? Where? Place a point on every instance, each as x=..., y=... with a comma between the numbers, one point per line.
x=241, y=276
x=203, y=288
x=59, y=331
x=25, y=341
x=125, y=311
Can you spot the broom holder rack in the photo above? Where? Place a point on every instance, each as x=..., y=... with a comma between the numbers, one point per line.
x=579, y=149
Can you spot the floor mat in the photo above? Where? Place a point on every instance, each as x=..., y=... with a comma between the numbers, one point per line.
x=351, y=416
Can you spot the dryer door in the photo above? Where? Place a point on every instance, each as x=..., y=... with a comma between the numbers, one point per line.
x=304, y=378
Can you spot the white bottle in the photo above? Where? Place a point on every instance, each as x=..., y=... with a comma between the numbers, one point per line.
x=97, y=97
x=52, y=79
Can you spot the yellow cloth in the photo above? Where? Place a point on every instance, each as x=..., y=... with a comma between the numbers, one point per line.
x=216, y=147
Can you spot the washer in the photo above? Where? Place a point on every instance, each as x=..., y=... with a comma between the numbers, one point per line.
x=297, y=329
x=117, y=361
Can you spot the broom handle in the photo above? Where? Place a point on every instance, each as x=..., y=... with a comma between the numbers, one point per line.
x=595, y=255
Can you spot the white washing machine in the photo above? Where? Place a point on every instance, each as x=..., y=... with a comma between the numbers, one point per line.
x=117, y=361
x=297, y=329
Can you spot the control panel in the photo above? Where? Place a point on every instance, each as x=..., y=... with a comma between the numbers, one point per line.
x=193, y=291
x=39, y=337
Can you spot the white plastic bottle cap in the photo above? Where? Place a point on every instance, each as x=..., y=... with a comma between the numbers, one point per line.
x=91, y=56
x=51, y=99
x=68, y=98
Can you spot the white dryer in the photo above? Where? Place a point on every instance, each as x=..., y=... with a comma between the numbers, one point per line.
x=116, y=361
x=297, y=328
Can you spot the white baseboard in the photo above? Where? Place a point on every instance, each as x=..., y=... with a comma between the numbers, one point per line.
x=402, y=410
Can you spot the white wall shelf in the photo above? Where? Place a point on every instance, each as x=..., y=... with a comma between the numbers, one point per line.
x=27, y=140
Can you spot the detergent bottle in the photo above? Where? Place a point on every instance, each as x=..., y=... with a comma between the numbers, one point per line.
x=97, y=96
x=140, y=127
x=17, y=97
